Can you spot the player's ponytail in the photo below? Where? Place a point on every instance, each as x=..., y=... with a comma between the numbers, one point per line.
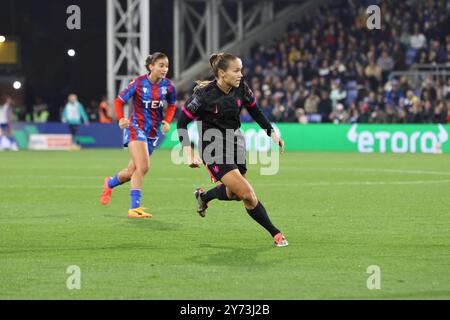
x=216, y=61
x=152, y=58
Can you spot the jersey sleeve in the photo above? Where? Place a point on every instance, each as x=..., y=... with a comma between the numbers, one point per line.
x=193, y=106
x=171, y=94
x=129, y=91
x=249, y=99
x=190, y=112
x=171, y=98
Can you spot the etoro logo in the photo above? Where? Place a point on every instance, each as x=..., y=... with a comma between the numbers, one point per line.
x=398, y=141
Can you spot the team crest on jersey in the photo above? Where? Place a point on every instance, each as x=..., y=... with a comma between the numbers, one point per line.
x=144, y=90
x=164, y=90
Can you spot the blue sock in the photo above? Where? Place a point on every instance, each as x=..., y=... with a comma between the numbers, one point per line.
x=114, y=182
x=135, y=195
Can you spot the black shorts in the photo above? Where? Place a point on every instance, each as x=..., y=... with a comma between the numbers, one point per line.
x=217, y=171
x=220, y=163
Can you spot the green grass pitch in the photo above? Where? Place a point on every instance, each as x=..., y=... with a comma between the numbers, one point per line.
x=340, y=212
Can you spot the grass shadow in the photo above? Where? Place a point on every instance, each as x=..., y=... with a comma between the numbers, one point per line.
x=233, y=257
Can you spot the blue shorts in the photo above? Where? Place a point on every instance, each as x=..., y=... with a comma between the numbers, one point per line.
x=136, y=134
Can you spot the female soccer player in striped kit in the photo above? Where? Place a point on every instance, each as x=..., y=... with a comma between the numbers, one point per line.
x=216, y=105
x=142, y=128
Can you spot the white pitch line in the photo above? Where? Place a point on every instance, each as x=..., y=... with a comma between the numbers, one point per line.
x=439, y=173
x=354, y=183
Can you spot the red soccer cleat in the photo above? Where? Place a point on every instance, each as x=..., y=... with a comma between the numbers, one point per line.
x=280, y=240
x=106, y=194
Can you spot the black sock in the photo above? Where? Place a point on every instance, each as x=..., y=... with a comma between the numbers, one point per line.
x=219, y=192
x=259, y=214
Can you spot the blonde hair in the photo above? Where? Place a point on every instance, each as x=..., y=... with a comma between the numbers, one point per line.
x=216, y=61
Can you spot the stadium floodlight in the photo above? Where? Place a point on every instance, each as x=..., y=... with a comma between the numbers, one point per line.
x=2, y=39
x=17, y=85
x=71, y=52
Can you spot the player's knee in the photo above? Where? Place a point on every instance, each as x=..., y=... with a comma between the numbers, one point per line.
x=143, y=168
x=234, y=196
x=248, y=195
x=128, y=174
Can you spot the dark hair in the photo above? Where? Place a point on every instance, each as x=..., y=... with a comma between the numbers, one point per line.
x=155, y=56
x=217, y=61
x=220, y=61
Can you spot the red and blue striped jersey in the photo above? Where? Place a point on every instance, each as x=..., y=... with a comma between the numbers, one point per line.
x=148, y=102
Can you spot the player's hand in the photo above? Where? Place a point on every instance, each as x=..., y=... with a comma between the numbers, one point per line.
x=277, y=139
x=166, y=127
x=124, y=123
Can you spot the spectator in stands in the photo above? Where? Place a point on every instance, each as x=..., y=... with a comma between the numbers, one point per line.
x=446, y=90
x=394, y=95
x=353, y=113
x=104, y=111
x=386, y=63
x=324, y=107
x=40, y=110
x=373, y=73
x=429, y=90
x=391, y=114
x=428, y=112
x=399, y=57
x=338, y=94
x=448, y=111
x=74, y=115
x=339, y=115
x=311, y=103
x=377, y=116
x=301, y=116
x=332, y=51
x=410, y=100
x=417, y=40
x=415, y=115
x=364, y=115
x=440, y=113
x=404, y=84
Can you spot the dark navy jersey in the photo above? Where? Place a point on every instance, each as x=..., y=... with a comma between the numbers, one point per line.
x=220, y=110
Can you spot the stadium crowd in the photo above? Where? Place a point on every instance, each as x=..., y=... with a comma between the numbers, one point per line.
x=332, y=68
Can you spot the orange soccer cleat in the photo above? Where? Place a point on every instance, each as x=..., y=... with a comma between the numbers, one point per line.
x=138, y=213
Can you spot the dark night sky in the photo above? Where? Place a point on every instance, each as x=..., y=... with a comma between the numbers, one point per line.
x=44, y=39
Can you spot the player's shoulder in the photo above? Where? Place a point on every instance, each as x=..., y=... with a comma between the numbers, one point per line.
x=138, y=79
x=206, y=89
x=167, y=81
